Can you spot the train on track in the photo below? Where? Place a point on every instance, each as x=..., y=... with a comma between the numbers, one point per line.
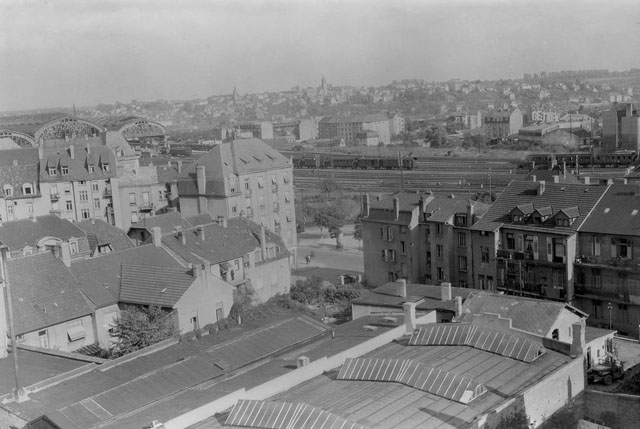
x=354, y=163
x=615, y=159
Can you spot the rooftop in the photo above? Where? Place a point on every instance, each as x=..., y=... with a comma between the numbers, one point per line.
x=99, y=278
x=153, y=285
x=101, y=233
x=616, y=213
x=167, y=222
x=558, y=196
x=44, y=293
x=18, y=234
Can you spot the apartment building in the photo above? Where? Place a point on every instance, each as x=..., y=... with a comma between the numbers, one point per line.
x=420, y=238
x=20, y=197
x=242, y=178
x=500, y=124
x=347, y=127
x=526, y=244
x=621, y=128
x=607, y=265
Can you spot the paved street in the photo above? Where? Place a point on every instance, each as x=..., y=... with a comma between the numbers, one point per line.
x=327, y=262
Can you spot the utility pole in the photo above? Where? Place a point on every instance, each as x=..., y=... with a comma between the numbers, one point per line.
x=19, y=394
x=401, y=175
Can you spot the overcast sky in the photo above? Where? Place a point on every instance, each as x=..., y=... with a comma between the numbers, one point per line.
x=60, y=52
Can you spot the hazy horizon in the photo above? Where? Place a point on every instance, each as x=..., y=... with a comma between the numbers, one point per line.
x=67, y=52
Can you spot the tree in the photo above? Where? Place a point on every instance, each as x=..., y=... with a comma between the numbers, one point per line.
x=329, y=185
x=357, y=228
x=140, y=327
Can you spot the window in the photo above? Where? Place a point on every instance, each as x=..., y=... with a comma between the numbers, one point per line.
x=461, y=220
x=511, y=241
x=439, y=250
x=403, y=229
x=595, y=245
x=621, y=248
x=132, y=199
x=285, y=178
x=10, y=212
x=439, y=273
x=274, y=179
x=391, y=255
x=91, y=169
x=490, y=282
x=219, y=310
x=247, y=185
x=85, y=213
x=69, y=206
x=463, y=283
x=27, y=189
x=438, y=229
x=145, y=199
x=561, y=221
x=64, y=170
x=75, y=331
x=403, y=248
x=462, y=263
x=596, y=279
x=260, y=182
x=555, y=335
x=194, y=323
x=67, y=190
x=484, y=254
x=96, y=203
x=287, y=198
x=516, y=218
x=462, y=239
x=105, y=167
x=403, y=269
x=261, y=201
x=73, y=246
x=8, y=191
x=29, y=207
x=52, y=171
x=389, y=233
x=234, y=209
x=233, y=185
x=428, y=258
x=95, y=187
x=83, y=182
x=84, y=196
x=558, y=250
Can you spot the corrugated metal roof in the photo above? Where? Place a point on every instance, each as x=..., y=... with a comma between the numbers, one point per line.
x=498, y=342
x=405, y=371
x=281, y=415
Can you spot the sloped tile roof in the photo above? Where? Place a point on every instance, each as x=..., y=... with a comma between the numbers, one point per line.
x=44, y=293
x=105, y=234
x=556, y=195
x=239, y=157
x=20, y=233
x=167, y=174
x=221, y=244
x=386, y=296
x=99, y=278
x=78, y=166
x=154, y=285
x=527, y=314
x=618, y=212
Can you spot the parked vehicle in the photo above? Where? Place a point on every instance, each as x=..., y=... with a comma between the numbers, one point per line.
x=606, y=372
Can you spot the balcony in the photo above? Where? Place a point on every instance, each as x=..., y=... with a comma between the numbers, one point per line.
x=107, y=193
x=55, y=197
x=620, y=264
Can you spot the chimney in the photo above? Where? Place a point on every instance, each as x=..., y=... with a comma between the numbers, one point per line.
x=197, y=271
x=541, y=186
x=201, y=232
x=533, y=177
x=586, y=179
x=179, y=166
x=65, y=253
x=564, y=169
x=365, y=205
x=183, y=238
x=578, y=338
x=471, y=211
x=202, y=180
x=409, y=317
x=303, y=361
x=458, y=300
x=446, y=291
x=156, y=234
x=396, y=207
x=263, y=243
x=72, y=151
x=556, y=179
x=401, y=288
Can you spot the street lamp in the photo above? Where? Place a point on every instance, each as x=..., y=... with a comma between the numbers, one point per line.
x=610, y=307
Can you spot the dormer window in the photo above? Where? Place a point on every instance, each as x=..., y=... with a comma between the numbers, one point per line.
x=105, y=167
x=64, y=170
x=52, y=171
x=8, y=191
x=91, y=169
x=461, y=220
x=27, y=189
x=562, y=221
x=517, y=218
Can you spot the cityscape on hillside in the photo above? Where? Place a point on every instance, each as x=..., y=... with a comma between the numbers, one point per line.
x=424, y=253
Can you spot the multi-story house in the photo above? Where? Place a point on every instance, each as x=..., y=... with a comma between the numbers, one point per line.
x=500, y=124
x=397, y=123
x=242, y=178
x=257, y=129
x=526, y=243
x=544, y=116
x=80, y=181
x=20, y=196
x=347, y=127
x=420, y=238
x=142, y=192
x=238, y=251
x=621, y=128
x=607, y=266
